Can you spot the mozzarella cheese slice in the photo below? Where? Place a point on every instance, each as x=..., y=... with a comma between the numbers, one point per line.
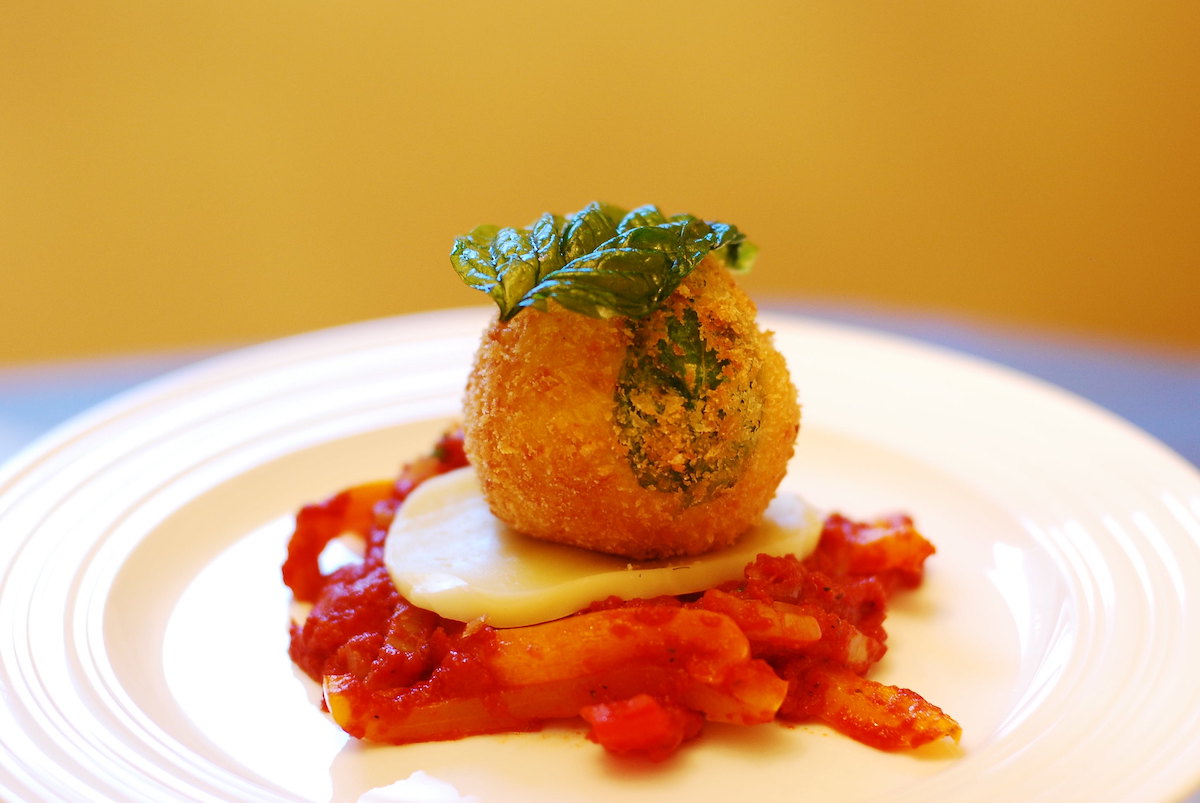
x=447, y=553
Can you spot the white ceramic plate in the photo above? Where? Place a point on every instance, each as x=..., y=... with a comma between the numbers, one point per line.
x=143, y=622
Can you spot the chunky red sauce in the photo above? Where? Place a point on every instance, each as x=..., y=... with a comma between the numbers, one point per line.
x=793, y=641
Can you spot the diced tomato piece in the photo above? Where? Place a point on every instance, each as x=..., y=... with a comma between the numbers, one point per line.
x=641, y=726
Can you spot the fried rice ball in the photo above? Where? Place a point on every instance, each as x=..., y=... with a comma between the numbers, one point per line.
x=650, y=438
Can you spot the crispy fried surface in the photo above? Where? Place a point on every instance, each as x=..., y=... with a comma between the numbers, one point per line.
x=654, y=438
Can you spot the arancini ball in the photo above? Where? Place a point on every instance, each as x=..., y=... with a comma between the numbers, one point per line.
x=651, y=436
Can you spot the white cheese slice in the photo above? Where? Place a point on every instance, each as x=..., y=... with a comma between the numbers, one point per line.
x=447, y=553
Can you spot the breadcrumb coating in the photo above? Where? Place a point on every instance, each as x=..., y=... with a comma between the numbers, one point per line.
x=649, y=438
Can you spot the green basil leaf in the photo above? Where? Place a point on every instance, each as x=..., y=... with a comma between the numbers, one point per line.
x=507, y=263
x=642, y=216
x=588, y=228
x=471, y=258
x=599, y=261
x=738, y=256
x=615, y=281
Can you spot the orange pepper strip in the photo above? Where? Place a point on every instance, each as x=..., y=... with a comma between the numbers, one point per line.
x=707, y=652
x=699, y=659
x=771, y=627
x=885, y=717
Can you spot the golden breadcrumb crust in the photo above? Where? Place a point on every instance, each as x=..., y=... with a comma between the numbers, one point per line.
x=570, y=448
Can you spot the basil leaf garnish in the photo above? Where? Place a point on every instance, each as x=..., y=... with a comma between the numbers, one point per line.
x=588, y=228
x=600, y=261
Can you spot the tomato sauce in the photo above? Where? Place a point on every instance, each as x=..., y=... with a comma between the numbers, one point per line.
x=792, y=640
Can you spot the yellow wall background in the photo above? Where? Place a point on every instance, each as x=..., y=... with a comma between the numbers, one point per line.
x=191, y=173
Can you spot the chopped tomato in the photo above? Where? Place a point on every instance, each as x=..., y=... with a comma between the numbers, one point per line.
x=641, y=726
x=792, y=640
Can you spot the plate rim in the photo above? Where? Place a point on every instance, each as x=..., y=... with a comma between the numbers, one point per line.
x=159, y=390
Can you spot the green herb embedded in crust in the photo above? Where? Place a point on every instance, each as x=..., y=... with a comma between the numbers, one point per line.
x=687, y=418
x=600, y=261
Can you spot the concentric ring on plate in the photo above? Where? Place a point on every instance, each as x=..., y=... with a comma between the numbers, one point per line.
x=1094, y=543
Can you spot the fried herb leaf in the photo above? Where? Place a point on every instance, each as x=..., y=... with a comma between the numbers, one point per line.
x=599, y=261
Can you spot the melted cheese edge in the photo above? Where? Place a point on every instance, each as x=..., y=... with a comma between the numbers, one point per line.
x=447, y=553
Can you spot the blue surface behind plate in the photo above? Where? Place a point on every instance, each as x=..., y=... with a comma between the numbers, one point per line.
x=1155, y=389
